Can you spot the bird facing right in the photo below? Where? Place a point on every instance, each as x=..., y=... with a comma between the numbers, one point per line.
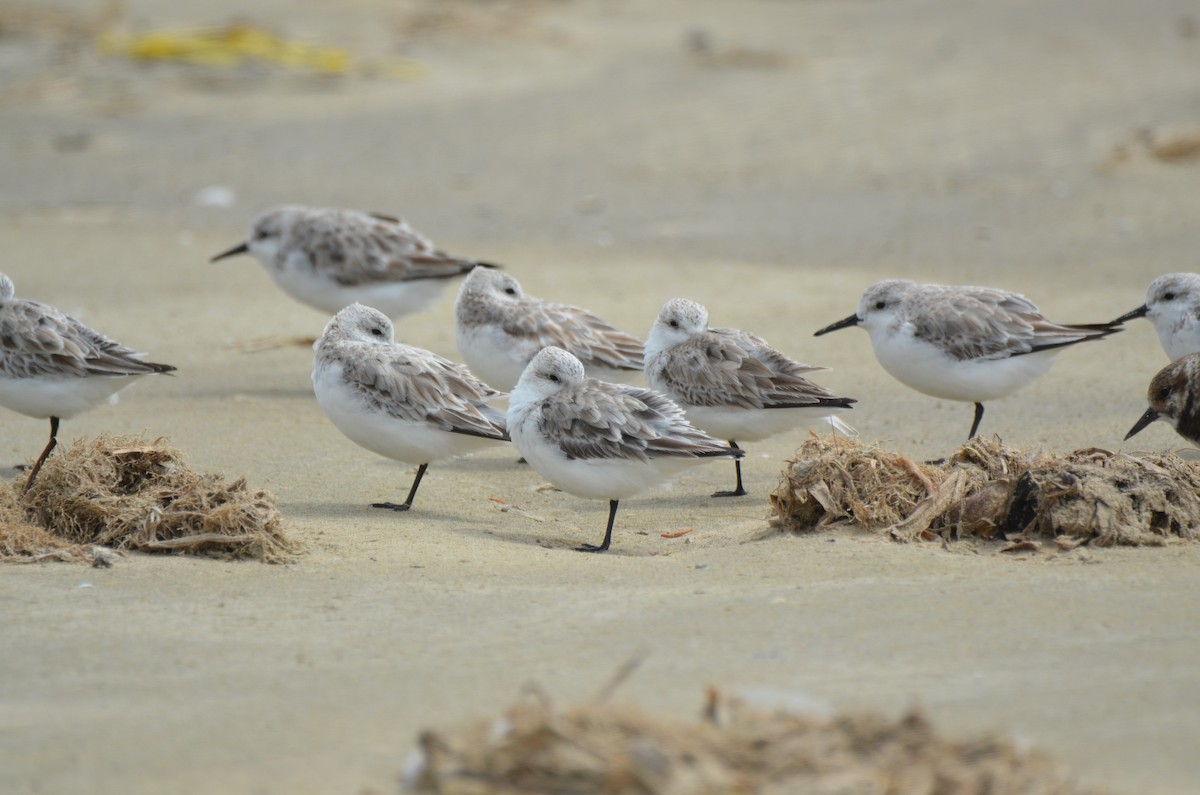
x=54, y=367
x=601, y=440
x=1174, y=397
x=730, y=383
x=500, y=328
x=1173, y=306
x=962, y=343
x=399, y=401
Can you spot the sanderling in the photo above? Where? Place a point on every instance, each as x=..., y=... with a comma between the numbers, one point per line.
x=500, y=329
x=331, y=258
x=1174, y=397
x=601, y=440
x=402, y=402
x=961, y=343
x=1173, y=306
x=54, y=367
x=730, y=383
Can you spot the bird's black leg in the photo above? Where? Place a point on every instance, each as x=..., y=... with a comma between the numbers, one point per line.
x=737, y=467
x=612, y=514
x=978, y=417
x=37, y=465
x=404, y=506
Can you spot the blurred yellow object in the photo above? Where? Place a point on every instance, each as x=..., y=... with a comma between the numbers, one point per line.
x=227, y=47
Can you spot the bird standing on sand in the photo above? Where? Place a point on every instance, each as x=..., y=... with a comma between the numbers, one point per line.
x=730, y=383
x=601, y=440
x=402, y=402
x=54, y=367
x=969, y=344
x=331, y=258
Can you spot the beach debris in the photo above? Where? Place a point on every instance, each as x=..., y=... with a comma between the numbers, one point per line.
x=124, y=493
x=271, y=343
x=227, y=46
x=1172, y=144
x=507, y=507
x=237, y=45
x=733, y=747
x=988, y=490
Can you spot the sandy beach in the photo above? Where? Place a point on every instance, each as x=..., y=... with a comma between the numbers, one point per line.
x=768, y=159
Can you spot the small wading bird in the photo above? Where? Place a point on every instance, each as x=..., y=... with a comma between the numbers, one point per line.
x=1174, y=397
x=500, y=328
x=730, y=383
x=402, y=402
x=331, y=258
x=969, y=344
x=54, y=367
x=1173, y=306
x=601, y=440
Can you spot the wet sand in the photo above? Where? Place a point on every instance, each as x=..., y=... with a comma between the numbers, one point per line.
x=767, y=159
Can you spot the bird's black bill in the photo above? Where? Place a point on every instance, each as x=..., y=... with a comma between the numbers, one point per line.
x=850, y=321
x=241, y=248
x=1150, y=416
x=1134, y=315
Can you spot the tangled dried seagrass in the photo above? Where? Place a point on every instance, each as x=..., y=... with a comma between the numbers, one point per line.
x=129, y=494
x=988, y=490
x=596, y=748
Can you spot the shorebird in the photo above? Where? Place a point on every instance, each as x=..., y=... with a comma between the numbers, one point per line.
x=401, y=402
x=330, y=258
x=601, y=440
x=969, y=344
x=500, y=328
x=54, y=367
x=731, y=383
x=1173, y=306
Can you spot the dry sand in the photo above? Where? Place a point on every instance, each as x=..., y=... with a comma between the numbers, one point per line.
x=769, y=159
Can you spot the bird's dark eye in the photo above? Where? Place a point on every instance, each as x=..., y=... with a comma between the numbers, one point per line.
x=552, y=377
x=1164, y=393
x=510, y=290
x=880, y=304
x=261, y=234
x=377, y=331
x=673, y=324
x=1168, y=296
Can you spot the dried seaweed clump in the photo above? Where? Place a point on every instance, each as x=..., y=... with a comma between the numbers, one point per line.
x=127, y=494
x=598, y=748
x=22, y=542
x=987, y=490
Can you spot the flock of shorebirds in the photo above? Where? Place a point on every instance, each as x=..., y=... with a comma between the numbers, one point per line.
x=569, y=414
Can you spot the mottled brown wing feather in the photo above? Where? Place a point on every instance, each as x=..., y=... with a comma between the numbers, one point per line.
x=993, y=324
x=596, y=419
x=592, y=340
x=38, y=340
x=356, y=248
x=726, y=367
x=424, y=388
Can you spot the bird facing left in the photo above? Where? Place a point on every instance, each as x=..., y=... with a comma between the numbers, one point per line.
x=330, y=258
